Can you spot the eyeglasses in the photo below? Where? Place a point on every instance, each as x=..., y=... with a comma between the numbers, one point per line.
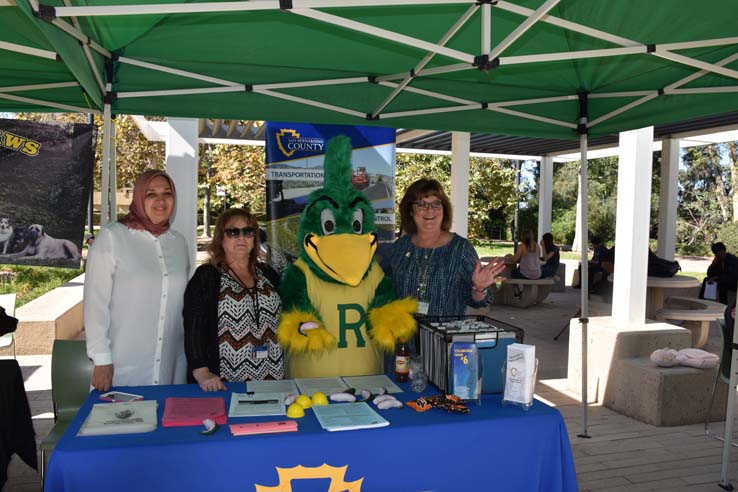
x=233, y=232
x=421, y=205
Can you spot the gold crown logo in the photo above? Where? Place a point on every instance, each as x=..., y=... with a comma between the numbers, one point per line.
x=284, y=132
x=299, y=472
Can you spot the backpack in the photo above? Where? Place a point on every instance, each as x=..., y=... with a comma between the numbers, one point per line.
x=659, y=267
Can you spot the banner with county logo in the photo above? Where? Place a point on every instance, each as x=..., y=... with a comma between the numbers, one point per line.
x=45, y=179
x=294, y=168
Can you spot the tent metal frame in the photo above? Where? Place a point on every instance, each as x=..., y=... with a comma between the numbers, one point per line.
x=490, y=58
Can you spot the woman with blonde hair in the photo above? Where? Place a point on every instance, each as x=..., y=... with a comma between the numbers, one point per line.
x=232, y=308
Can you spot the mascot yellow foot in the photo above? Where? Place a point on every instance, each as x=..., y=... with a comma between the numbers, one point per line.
x=393, y=321
x=314, y=340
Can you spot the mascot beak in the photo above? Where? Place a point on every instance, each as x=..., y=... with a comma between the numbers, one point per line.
x=344, y=257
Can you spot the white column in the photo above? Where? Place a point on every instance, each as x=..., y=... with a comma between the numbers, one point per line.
x=670, y=158
x=182, y=158
x=460, y=146
x=631, y=230
x=545, y=193
x=113, y=174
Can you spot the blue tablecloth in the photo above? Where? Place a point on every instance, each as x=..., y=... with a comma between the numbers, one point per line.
x=495, y=447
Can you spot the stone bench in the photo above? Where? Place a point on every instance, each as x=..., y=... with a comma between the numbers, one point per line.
x=56, y=314
x=523, y=292
x=664, y=396
x=694, y=314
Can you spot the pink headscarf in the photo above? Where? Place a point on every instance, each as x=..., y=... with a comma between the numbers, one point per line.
x=137, y=218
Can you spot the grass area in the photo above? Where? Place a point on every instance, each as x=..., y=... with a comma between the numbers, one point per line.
x=31, y=282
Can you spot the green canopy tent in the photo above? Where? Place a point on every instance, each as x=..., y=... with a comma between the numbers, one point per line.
x=563, y=69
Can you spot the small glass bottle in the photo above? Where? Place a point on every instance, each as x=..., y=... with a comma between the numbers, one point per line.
x=402, y=360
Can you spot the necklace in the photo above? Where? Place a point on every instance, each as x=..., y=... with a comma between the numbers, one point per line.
x=232, y=272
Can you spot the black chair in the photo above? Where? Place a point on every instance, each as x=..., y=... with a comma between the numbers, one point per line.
x=722, y=374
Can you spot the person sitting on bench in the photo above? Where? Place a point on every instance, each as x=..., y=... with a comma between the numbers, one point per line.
x=550, y=255
x=527, y=256
x=724, y=271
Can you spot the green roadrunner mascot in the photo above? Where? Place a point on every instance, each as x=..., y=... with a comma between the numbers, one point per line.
x=339, y=311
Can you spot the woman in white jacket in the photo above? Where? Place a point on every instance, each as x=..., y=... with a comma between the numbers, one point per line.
x=137, y=271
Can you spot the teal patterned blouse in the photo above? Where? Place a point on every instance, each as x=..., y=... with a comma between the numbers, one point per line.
x=440, y=276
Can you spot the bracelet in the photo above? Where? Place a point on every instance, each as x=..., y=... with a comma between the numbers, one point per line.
x=475, y=289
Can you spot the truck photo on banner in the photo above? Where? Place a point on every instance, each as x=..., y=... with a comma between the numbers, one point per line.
x=294, y=168
x=45, y=179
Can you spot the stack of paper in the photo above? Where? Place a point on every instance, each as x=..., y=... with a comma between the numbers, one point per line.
x=372, y=383
x=520, y=379
x=256, y=404
x=120, y=418
x=327, y=386
x=348, y=416
x=180, y=412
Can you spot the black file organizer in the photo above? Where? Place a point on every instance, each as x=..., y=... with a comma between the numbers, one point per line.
x=492, y=337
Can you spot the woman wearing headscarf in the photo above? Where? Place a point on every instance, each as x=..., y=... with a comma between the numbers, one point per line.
x=137, y=271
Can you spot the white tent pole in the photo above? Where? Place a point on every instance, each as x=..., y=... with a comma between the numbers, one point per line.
x=80, y=36
x=175, y=71
x=113, y=174
x=185, y=8
x=584, y=276
x=531, y=117
x=384, y=34
x=180, y=92
x=522, y=28
x=486, y=38
x=573, y=55
x=730, y=414
x=437, y=95
x=40, y=102
x=445, y=39
x=685, y=60
x=309, y=102
x=450, y=109
x=37, y=87
x=105, y=185
x=27, y=50
x=313, y=83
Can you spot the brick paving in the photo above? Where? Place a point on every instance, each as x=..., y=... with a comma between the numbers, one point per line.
x=622, y=454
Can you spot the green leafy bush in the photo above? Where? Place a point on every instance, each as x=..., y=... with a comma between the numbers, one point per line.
x=728, y=235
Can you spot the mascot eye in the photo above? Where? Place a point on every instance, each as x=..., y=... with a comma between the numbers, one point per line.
x=358, y=221
x=327, y=221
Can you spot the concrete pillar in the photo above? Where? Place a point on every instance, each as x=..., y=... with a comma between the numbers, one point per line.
x=460, y=147
x=545, y=193
x=105, y=167
x=670, y=158
x=631, y=231
x=182, y=159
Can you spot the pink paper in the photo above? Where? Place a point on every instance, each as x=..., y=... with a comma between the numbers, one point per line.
x=263, y=427
x=179, y=412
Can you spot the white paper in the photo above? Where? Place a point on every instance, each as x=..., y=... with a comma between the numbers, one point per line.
x=129, y=417
x=286, y=386
x=520, y=378
x=256, y=404
x=327, y=386
x=348, y=416
x=372, y=383
x=711, y=292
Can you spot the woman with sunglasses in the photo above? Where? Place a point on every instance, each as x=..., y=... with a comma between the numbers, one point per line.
x=137, y=271
x=232, y=308
x=440, y=268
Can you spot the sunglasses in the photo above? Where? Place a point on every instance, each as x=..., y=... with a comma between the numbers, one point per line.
x=435, y=205
x=234, y=232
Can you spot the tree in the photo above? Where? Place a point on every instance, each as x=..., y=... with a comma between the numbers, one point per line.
x=241, y=170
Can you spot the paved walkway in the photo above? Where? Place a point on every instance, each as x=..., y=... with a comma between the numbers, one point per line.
x=622, y=455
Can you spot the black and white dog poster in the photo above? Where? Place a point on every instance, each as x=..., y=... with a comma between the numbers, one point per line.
x=45, y=180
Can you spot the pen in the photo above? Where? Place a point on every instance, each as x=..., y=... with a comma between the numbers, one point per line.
x=257, y=402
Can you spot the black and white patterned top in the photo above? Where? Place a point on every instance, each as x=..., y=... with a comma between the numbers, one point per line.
x=247, y=330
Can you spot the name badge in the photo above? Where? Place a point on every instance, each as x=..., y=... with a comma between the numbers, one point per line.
x=423, y=307
x=261, y=352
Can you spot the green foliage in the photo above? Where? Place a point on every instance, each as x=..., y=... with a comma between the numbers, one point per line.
x=31, y=282
x=728, y=235
x=491, y=187
x=563, y=225
x=241, y=170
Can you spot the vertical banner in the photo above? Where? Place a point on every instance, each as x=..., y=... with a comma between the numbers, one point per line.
x=45, y=180
x=294, y=168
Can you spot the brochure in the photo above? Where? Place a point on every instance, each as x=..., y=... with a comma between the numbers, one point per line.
x=348, y=416
x=179, y=412
x=130, y=417
x=256, y=404
x=372, y=383
x=286, y=386
x=464, y=370
x=327, y=386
